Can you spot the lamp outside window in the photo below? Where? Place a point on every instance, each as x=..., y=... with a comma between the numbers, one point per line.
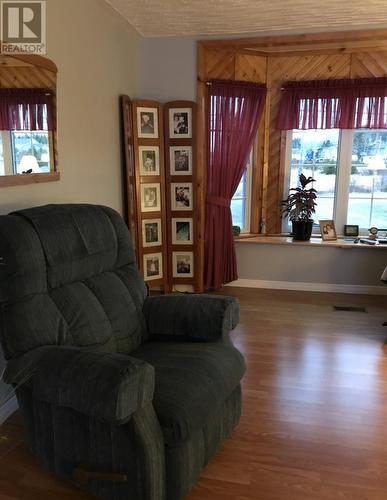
x=28, y=164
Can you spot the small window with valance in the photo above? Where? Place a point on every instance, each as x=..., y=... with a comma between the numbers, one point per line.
x=27, y=121
x=337, y=133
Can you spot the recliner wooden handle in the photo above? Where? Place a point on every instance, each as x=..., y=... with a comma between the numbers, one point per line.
x=84, y=473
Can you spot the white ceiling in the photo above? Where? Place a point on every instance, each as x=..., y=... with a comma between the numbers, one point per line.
x=154, y=18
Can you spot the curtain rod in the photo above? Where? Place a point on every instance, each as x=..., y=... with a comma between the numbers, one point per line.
x=46, y=91
x=206, y=82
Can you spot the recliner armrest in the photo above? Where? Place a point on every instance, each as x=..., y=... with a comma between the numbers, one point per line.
x=110, y=387
x=191, y=317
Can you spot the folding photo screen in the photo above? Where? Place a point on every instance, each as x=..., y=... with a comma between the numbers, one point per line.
x=160, y=156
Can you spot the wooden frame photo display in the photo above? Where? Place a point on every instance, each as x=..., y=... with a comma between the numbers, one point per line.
x=150, y=196
x=130, y=172
x=184, y=199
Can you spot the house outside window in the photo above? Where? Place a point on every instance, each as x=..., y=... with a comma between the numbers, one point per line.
x=21, y=151
x=350, y=169
x=35, y=144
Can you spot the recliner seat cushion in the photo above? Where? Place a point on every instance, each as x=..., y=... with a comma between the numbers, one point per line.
x=191, y=381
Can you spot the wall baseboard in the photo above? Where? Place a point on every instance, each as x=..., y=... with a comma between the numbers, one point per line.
x=8, y=408
x=311, y=287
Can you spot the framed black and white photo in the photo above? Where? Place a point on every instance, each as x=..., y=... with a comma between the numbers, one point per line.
x=147, y=123
x=151, y=233
x=153, y=266
x=149, y=157
x=183, y=265
x=180, y=123
x=181, y=196
x=180, y=158
x=328, y=230
x=182, y=231
x=150, y=198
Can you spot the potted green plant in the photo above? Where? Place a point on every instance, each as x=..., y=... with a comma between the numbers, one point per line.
x=299, y=207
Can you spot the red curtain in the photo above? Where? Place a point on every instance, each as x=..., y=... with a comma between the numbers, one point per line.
x=325, y=104
x=234, y=111
x=26, y=109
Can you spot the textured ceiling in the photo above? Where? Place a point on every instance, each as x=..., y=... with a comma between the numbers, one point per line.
x=153, y=18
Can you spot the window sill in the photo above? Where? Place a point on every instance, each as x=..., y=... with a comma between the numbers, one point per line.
x=243, y=236
x=20, y=180
x=313, y=242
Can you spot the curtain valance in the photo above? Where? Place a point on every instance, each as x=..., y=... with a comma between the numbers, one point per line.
x=326, y=104
x=26, y=109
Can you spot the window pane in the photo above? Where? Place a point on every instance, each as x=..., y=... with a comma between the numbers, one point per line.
x=238, y=213
x=379, y=213
x=368, y=184
x=359, y=211
x=324, y=209
x=241, y=189
x=29, y=145
x=314, y=154
x=42, y=150
x=239, y=202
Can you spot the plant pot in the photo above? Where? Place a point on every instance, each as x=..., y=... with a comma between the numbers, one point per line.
x=302, y=230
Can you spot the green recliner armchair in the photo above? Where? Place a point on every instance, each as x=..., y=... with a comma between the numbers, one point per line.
x=125, y=396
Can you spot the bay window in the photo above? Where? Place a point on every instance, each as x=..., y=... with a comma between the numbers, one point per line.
x=337, y=134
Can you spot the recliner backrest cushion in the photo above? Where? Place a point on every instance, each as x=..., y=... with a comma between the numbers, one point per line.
x=68, y=277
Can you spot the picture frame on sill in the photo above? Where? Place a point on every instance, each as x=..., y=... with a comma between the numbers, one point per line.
x=183, y=264
x=150, y=197
x=149, y=159
x=328, y=230
x=151, y=233
x=180, y=159
x=351, y=231
x=147, y=123
x=181, y=196
x=153, y=266
x=180, y=123
x=182, y=231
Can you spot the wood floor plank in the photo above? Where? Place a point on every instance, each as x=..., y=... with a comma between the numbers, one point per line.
x=314, y=422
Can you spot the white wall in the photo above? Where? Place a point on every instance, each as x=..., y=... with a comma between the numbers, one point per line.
x=356, y=266
x=95, y=51
x=168, y=71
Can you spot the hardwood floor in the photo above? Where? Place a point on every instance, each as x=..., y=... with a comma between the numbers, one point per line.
x=314, y=422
